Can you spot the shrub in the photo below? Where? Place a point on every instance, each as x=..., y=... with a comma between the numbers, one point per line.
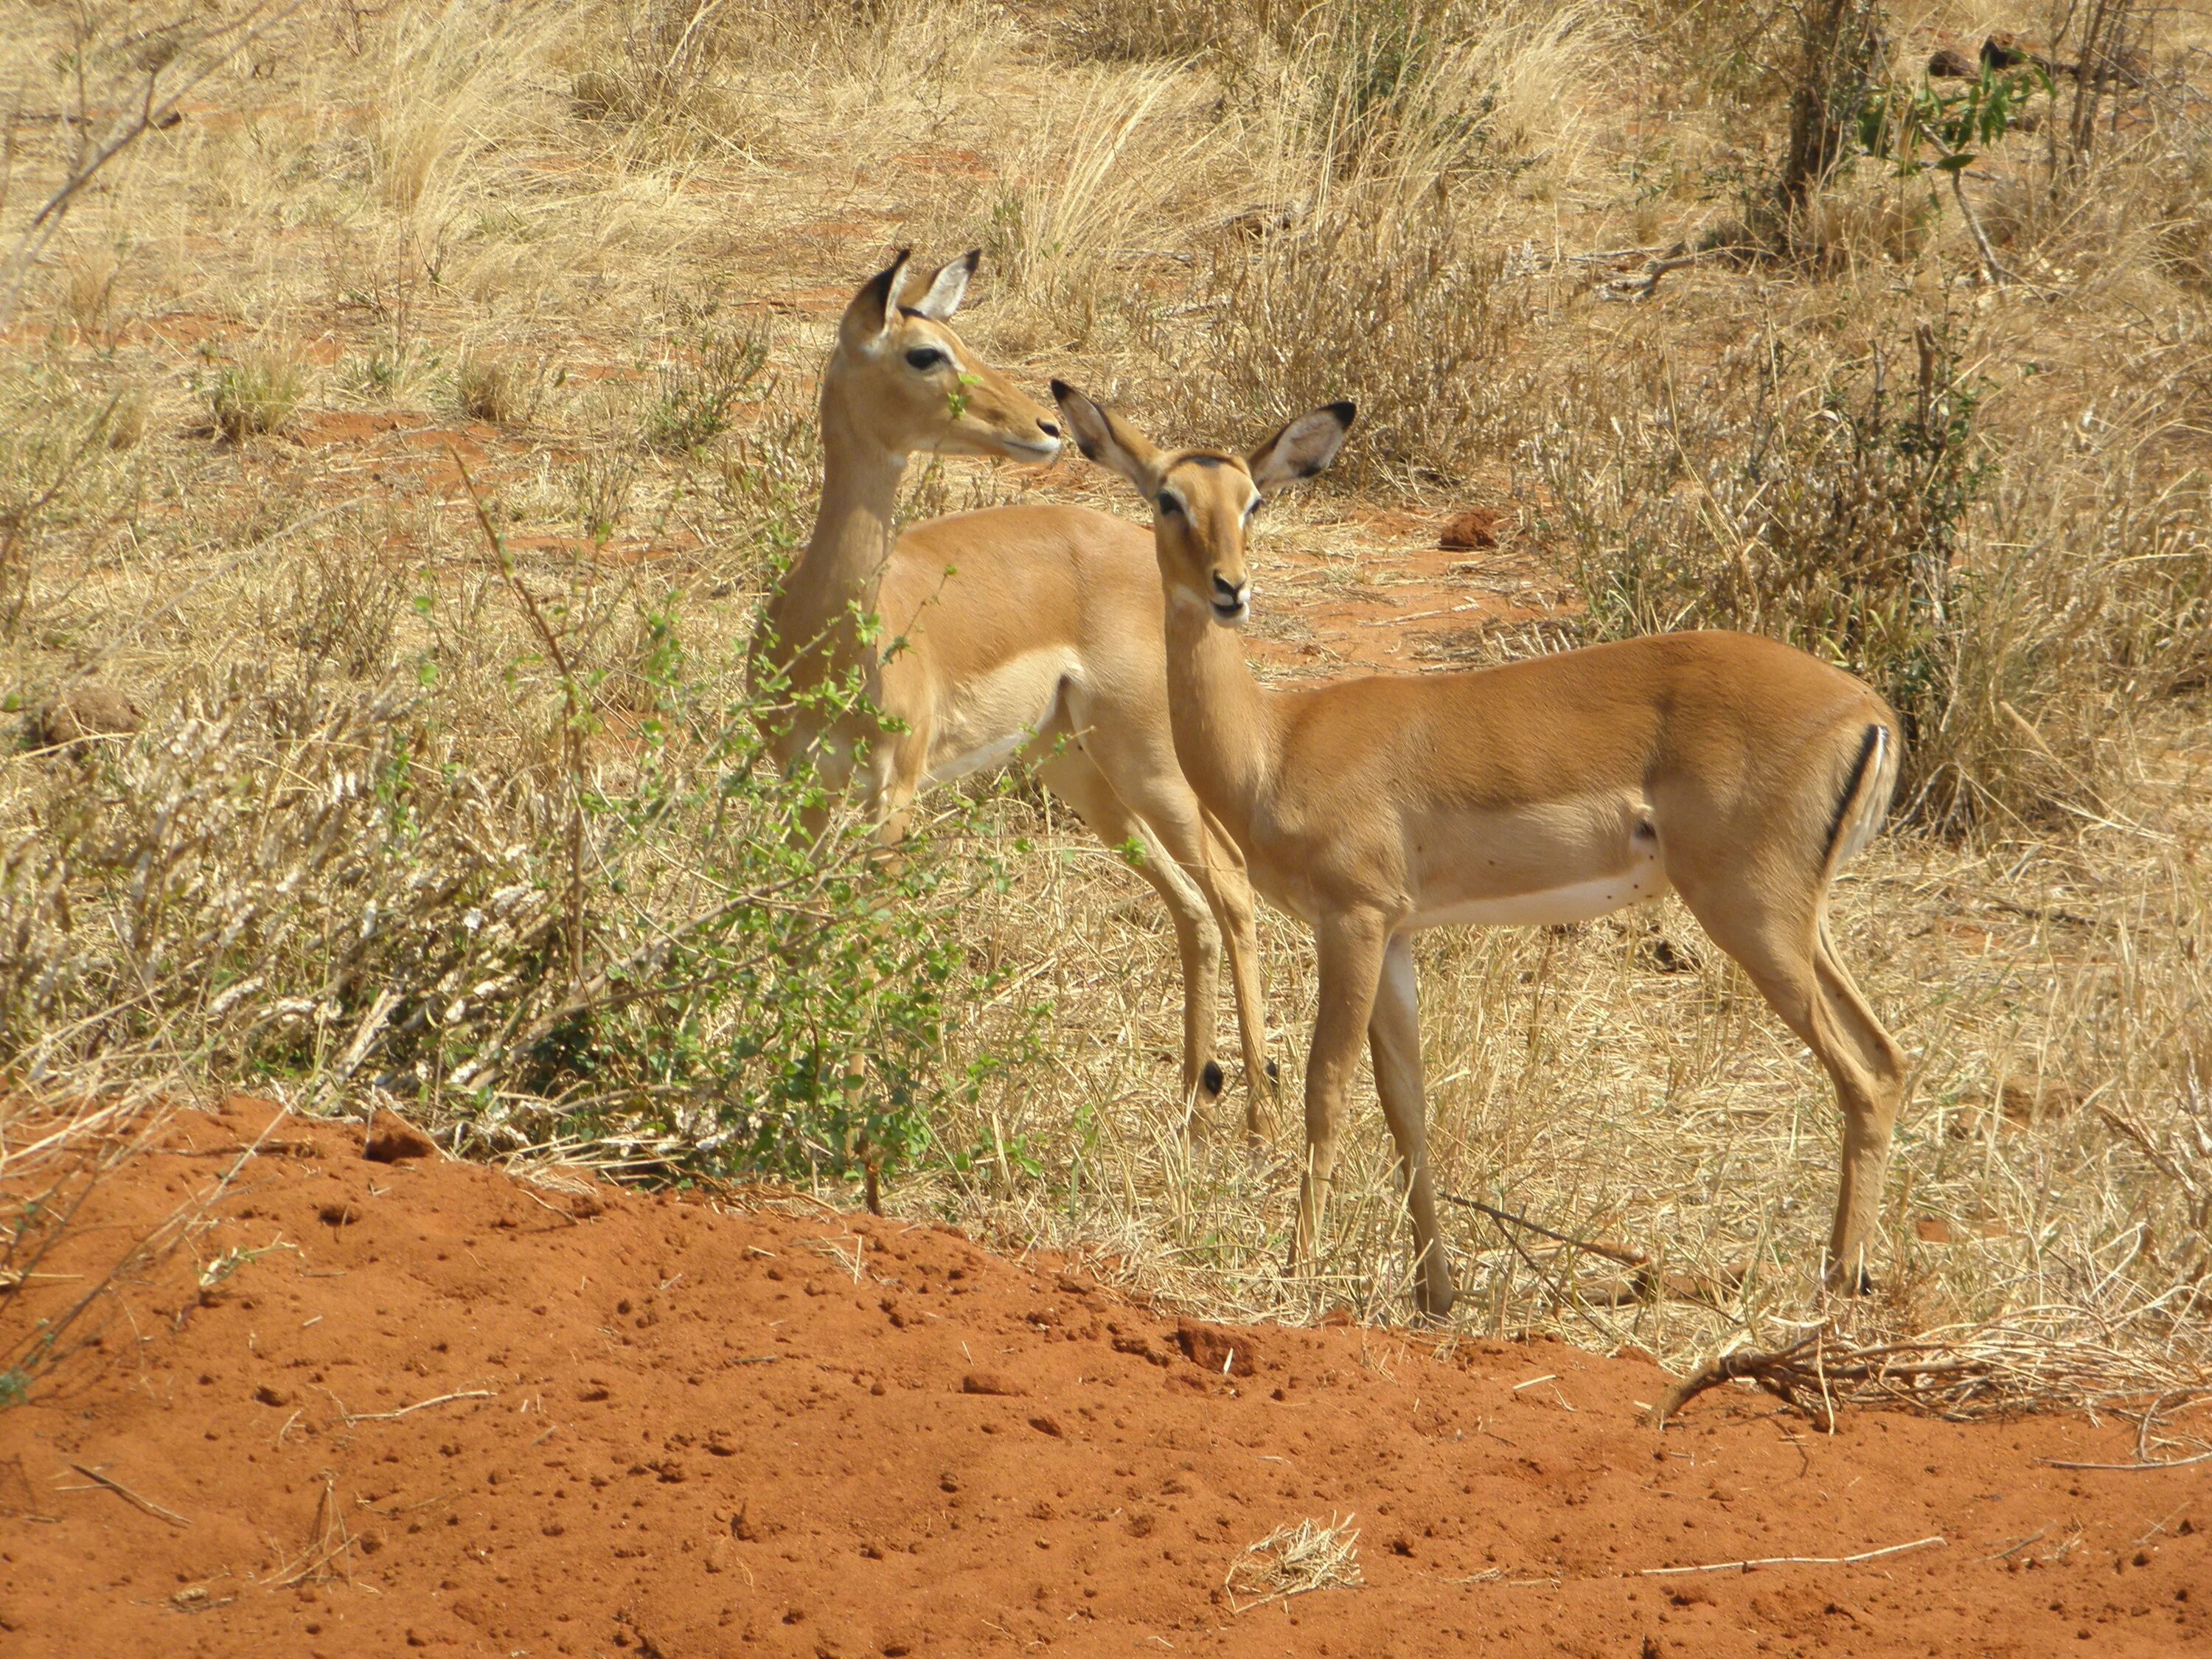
x=528, y=933
x=707, y=367
x=1383, y=300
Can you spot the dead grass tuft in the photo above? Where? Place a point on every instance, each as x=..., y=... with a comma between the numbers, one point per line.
x=1295, y=1560
x=499, y=388
x=257, y=395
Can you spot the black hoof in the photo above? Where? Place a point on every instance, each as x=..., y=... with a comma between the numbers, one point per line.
x=1211, y=1078
x=1273, y=1074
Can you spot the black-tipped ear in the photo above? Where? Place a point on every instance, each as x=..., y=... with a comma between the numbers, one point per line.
x=948, y=288
x=1111, y=442
x=1307, y=445
x=1086, y=422
x=877, y=303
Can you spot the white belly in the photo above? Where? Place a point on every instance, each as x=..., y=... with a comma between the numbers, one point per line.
x=986, y=723
x=1582, y=900
x=991, y=756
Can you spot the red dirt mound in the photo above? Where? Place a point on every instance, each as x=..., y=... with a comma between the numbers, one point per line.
x=441, y=1410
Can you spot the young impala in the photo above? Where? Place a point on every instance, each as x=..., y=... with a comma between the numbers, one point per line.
x=1734, y=770
x=1029, y=630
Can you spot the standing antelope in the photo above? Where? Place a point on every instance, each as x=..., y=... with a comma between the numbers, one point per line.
x=1029, y=630
x=1734, y=769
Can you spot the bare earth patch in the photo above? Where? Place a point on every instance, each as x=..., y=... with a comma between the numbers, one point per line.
x=432, y=1406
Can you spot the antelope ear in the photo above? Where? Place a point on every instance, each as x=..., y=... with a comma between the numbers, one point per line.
x=948, y=288
x=1307, y=445
x=875, y=306
x=1107, y=439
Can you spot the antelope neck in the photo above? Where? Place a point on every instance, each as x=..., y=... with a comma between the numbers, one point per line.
x=1223, y=729
x=845, y=558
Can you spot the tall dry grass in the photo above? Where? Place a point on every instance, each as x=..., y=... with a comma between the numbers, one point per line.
x=596, y=251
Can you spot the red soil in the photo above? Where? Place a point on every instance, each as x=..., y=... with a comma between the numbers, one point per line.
x=683, y=1429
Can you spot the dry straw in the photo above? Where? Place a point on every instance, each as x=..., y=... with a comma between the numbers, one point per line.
x=1295, y=1560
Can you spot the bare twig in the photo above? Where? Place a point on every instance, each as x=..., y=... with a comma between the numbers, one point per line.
x=2169, y=1463
x=16, y=528
x=1957, y=1373
x=574, y=729
x=352, y=1418
x=1798, y=1560
x=328, y=1539
x=130, y=1497
x=1627, y=1255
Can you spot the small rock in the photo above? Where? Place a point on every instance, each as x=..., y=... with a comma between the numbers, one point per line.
x=83, y=712
x=1044, y=1422
x=1932, y=1230
x=992, y=1382
x=1949, y=63
x=1476, y=527
x=268, y=1396
x=391, y=1139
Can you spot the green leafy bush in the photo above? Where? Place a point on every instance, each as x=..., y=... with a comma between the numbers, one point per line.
x=569, y=931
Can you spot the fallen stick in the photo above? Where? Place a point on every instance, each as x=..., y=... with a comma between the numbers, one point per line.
x=1798, y=1560
x=2171, y=1463
x=1627, y=1255
x=130, y=1497
x=420, y=1405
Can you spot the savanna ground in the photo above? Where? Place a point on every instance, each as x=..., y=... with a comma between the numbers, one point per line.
x=456, y=812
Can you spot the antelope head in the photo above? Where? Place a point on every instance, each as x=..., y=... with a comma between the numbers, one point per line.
x=1203, y=500
x=907, y=381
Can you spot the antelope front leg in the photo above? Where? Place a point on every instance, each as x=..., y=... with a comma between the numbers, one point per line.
x=1350, y=952
x=1229, y=892
x=1395, y=1034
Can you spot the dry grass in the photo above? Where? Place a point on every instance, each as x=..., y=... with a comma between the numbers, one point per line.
x=619, y=234
x=1295, y=1560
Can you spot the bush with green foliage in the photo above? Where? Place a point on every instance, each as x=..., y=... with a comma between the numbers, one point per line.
x=604, y=923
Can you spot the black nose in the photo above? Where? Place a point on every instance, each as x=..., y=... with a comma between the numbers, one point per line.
x=1050, y=428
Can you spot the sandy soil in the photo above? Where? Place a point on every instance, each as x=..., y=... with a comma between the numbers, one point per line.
x=452, y=1411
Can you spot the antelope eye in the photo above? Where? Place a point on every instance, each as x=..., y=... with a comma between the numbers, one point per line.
x=924, y=357
x=1168, y=503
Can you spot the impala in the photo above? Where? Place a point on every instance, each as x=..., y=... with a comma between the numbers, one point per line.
x=1734, y=770
x=1030, y=631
